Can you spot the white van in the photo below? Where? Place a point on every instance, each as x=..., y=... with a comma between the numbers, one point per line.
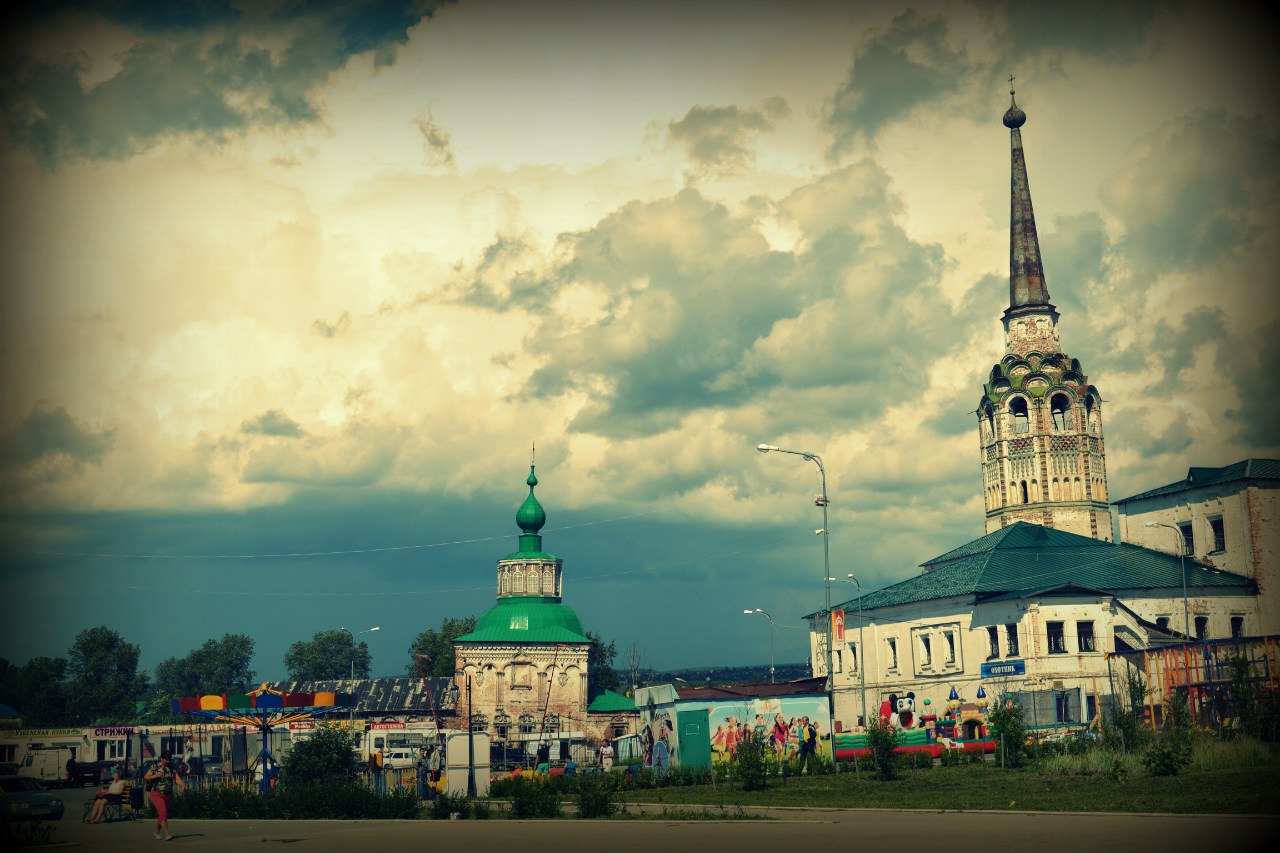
x=47, y=765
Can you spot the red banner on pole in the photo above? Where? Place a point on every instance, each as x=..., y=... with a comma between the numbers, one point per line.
x=837, y=626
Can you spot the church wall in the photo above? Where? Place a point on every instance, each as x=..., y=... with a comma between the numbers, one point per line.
x=511, y=681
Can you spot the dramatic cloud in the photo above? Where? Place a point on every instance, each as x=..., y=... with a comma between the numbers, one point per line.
x=717, y=139
x=272, y=422
x=435, y=141
x=896, y=70
x=50, y=435
x=175, y=72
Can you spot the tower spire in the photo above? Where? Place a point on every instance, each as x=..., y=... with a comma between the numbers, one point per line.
x=1027, y=289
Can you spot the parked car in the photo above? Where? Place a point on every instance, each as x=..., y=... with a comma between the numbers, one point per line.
x=398, y=759
x=24, y=798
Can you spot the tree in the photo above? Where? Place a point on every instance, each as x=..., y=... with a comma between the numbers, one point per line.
x=218, y=666
x=102, y=677
x=37, y=690
x=327, y=754
x=636, y=665
x=600, y=671
x=327, y=655
x=438, y=646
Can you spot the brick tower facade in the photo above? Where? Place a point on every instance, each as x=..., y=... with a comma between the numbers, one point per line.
x=1039, y=419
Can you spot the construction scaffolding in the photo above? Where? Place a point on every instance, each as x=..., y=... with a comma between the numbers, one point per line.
x=1207, y=671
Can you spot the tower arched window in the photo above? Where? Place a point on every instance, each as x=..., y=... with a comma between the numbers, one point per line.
x=1025, y=498
x=505, y=584
x=518, y=585
x=1060, y=408
x=548, y=582
x=1018, y=408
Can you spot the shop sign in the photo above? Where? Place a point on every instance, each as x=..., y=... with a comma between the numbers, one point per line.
x=1004, y=669
x=386, y=725
x=112, y=732
x=18, y=733
x=304, y=726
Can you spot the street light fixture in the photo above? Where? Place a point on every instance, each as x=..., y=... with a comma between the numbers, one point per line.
x=1182, y=558
x=770, y=618
x=352, y=718
x=825, y=533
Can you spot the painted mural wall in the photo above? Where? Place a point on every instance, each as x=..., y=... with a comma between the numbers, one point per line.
x=779, y=720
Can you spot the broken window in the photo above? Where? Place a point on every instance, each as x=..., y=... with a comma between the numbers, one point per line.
x=1059, y=407
x=1237, y=626
x=891, y=647
x=1219, y=534
x=1011, y=639
x=1057, y=638
x=1188, y=539
x=950, y=637
x=1018, y=408
x=1084, y=634
x=926, y=653
x=1202, y=627
x=993, y=637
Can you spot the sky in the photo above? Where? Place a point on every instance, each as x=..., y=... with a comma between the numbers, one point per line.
x=290, y=291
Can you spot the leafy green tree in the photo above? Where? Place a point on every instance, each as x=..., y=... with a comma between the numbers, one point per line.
x=37, y=690
x=438, y=646
x=600, y=672
x=327, y=754
x=102, y=677
x=1006, y=723
x=217, y=666
x=327, y=655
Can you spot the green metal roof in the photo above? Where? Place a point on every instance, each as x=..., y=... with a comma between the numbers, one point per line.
x=609, y=702
x=1023, y=559
x=1247, y=469
x=527, y=619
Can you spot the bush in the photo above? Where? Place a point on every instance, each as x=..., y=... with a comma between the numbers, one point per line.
x=1006, y=724
x=445, y=805
x=951, y=757
x=882, y=741
x=596, y=796
x=750, y=763
x=339, y=799
x=1170, y=752
x=481, y=809
x=533, y=798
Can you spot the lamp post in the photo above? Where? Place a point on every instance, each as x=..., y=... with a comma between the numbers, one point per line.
x=770, y=618
x=824, y=532
x=862, y=649
x=352, y=717
x=1182, y=558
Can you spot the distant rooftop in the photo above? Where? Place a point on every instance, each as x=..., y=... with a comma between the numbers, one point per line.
x=800, y=687
x=1248, y=469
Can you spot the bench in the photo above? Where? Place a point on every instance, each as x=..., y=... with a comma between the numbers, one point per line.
x=125, y=809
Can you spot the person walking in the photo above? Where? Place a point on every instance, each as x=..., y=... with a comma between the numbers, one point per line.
x=434, y=762
x=379, y=780
x=606, y=757
x=159, y=781
x=422, y=772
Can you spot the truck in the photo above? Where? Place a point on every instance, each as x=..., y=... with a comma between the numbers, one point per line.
x=49, y=765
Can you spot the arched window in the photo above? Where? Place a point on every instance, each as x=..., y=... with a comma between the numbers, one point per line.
x=1035, y=490
x=548, y=582
x=1025, y=499
x=1018, y=408
x=991, y=424
x=1053, y=490
x=518, y=585
x=1088, y=413
x=1060, y=407
x=1079, y=493
x=505, y=587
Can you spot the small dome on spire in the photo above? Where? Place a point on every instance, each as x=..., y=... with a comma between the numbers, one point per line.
x=1014, y=117
x=531, y=516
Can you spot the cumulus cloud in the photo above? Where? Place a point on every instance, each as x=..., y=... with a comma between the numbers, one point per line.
x=718, y=139
x=1098, y=29
x=47, y=432
x=206, y=74
x=272, y=422
x=896, y=70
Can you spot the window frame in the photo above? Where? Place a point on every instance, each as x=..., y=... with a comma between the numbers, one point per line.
x=1086, y=642
x=1012, y=645
x=1218, y=532
x=1060, y=647
x=993, y=637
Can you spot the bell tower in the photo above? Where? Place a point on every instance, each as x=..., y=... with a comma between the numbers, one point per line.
x=1039, y=419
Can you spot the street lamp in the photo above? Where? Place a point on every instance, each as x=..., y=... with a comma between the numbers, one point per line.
x=825, y=533
x=770, y=618
x=352, y=724
x=1182, y=558
x=862, y=649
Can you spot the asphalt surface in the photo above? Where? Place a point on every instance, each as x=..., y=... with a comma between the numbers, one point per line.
x=830, y=829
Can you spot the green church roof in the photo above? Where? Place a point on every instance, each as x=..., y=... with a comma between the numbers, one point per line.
x=609, y=702
x=1246, y=469
x=527, y=619
x=1023, y=558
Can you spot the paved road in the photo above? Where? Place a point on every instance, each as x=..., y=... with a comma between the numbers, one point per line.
x=829, y=829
